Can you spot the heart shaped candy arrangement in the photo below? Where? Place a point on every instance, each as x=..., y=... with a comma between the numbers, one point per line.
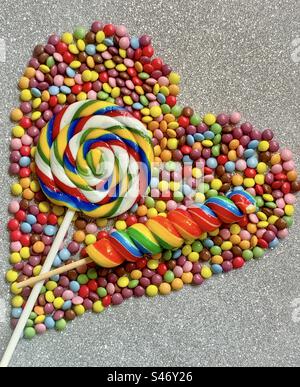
x=212, y=192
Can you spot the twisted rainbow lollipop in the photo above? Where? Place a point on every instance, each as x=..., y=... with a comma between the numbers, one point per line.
x=92, y=157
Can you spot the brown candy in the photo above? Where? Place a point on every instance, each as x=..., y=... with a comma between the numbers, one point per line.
x=34, y=238
x=225, y=188
x=72, y=275
x=117, y=59
x=265, y=157
x=224, y=149
x=218, y=240
x=43, y=58
x=98, y=58
x=82, y=57
x=24, y=204
x=267, y=211
x=172, y=264
x=90, y=37
x=80, y=224
x=220, y=170
x=125, y=76
x=70, y=315
x=227, y=129
x=71, y=98
x=38, y=50
x=205, y=255
x=237, y=251
x=296, y=186
x=226, y=178
x=281, y=224
x=188, y=112
x=267, y=189
x=42, y=300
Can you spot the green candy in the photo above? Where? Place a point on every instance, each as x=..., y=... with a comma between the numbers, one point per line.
x=29, y=323
x=289, y=221
x=43, y=290
x=167, y=255
x=197, y=247
x=259, y=201
x=212, y=193
x=33, y=316
x=170, y=166
x=247, y=255
x=216, y=150
x=79, y=33
x=60, y=325
x=102, y=292
x=111, y=100
x=217, y=139
x=92, y=274
x=178, y=196
x=258, y=252
x=144, y=101
x=195, y=119
x=50, y=62
x=169, y=276
x=166, y=109
x=83, y=279
x=133, y=284
x=102, y=96
x=144, y=76
x=271, y=205
x=216, y=128
x=29, y=333
x=216, y=250
x=150, y=202
x=177, y=110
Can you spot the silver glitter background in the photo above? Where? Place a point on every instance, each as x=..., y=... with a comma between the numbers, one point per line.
x=232, y=55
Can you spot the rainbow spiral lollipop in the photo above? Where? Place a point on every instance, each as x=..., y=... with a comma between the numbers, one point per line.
x=94, y=157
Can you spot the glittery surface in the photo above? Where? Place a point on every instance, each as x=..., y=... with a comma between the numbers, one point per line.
x=232, y=55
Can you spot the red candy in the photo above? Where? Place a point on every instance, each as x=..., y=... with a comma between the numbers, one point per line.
x=84, y=291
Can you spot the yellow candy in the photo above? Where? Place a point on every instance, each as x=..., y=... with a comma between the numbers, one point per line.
x=79, y=310
x=101, y=47
x=262, y=168
x=36, y=103
x=152, y=291
x=11, y=276
x=235, y=229
x=26, y=95
x=86, y=76
x=49, y=296
x=268, y=198
x=226, y=246
x=128, y=100
x=207, y=143
x=216, y=184
x=262, y=216
x=98, y=307
x=116, y=92
x=67, y=38
x=18, y=131
x=263, y=146
x=209, y=119
x=36, y=116
x=121, y=68
x=51, y=285
x=262, y=224
x=35, y=186
x=58, y=210
x=123, y=282
x=16, y=115
x=25, y=252
x=109, y=64
x=161, y=206
x=152, y=264
x=37, y=270
x=173, y=125
x=90, y=62
x=172, y=143
x=100, y=36
x=40, y=319
x=199, y=197
x=90, y=239
x=206, y=272
x=193, y=257
x=102, y=222
x=273, y=219
x=276, y=159
x=107, y=88
x=156, y=111
x=174, y=78
x=245, y=245
x=121, y=225
x=249, y=183
x=214, y=233
x=289, y=210
x=44, y=207
x=235, y=239
x=15, y=258
x=122, y=53
x=75, y=64
x=17, y=301
x=73, y=49
x=44, y=69
x=81, y=96
x=163, y=186
x=58, y=302
x=187, y=249
x=14, y=289
x=260, y=179
x=152, y=213
x=16, y=189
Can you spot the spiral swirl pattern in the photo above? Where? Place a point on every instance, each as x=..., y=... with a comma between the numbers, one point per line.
x=94, y=157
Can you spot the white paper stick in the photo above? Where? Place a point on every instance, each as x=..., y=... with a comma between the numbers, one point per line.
x=18, y=332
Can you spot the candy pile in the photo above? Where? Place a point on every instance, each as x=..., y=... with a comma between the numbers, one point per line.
x=217, y=153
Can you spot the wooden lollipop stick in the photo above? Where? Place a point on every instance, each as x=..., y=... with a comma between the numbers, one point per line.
x=18, y=332
x=64, y=269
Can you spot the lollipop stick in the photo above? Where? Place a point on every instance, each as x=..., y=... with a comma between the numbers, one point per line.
x=36, y=291
x=64, y=269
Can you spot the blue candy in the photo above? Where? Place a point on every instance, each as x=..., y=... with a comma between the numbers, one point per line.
x=25, y=228
x=24, y=161
x=249, y=153
x=64, y=254
x=108, y=42
x=135, y=43
x=70, y=72
x=31, y=219
x=275, y=242
x=190, y=140
x=177, y=254
x=74, y=286
x=198, y=137
x=53, y=90
x=138, y=106
x=55, y=278
x=252, y=162
x=50, y=230
x=57, y=261
x=16, y=312
x=212, y=163
x=90, y=49
x=186, y=159
x=49, y=322
x=67, y=305
x=65, y=90
x=253, y=144
x=208, y=243
x=36, y=92
x=230, y=166
x=216, y=269
x=209, y=135
x=161, y=98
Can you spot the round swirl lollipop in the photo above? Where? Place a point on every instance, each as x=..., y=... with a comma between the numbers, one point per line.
x=92, y=157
